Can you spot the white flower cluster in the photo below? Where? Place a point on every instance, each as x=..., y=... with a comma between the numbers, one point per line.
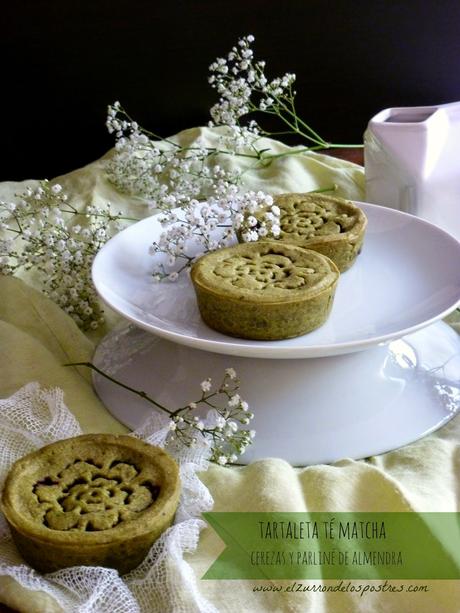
x=169, y=175
x=224, y=429
x=164, y=173
x=243, y=88
x=203, y=227
x=258, y=219
x=45, y=234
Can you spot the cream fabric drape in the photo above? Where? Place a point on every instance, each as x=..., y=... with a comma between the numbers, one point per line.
x=37, y=338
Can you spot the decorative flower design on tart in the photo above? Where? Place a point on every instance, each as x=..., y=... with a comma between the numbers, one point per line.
x=92, y=500
x=306, y=220
x=87, y=497
x=329, y=225
x=260, y=271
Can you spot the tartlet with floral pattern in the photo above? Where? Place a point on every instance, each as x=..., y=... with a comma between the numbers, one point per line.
x=332, y=226
x=265, y=290
x=93, y=500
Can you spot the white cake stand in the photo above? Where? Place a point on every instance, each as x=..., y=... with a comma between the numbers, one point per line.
x=382, y=372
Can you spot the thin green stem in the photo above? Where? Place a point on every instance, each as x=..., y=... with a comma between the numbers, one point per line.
x=281, y=133
x=343, y=146
x=16, y=219
x=156, y=136
x=72, y=208
x=213, y=151
x=140, y=393
x=122, y=218
x=320, y=190
x=292, y=103
x=307, y=149
x=295, y=130
x=314, y=136
x=15, y=231
x=298, y=120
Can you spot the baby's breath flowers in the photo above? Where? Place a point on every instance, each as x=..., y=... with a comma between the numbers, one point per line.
x=177, y=179
x=265, y=225
x=164, y=173
x=204, y=202
x=203, y=227
x=224, y=427
x=171, y=175
x=244, y=89
x=221, y=429
x=45, y=234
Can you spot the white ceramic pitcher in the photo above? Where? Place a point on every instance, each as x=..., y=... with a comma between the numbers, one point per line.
x=412, y=162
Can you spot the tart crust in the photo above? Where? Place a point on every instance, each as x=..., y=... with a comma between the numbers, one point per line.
x=332, y=226
x=93, y=500
x=265, y=290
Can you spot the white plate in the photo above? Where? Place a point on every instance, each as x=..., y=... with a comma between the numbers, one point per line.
x=407, y=277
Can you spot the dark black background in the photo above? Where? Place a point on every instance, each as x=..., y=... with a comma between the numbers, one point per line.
x=64, y=61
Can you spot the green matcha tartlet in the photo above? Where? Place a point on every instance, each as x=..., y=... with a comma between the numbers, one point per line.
x=93, y=500
x=332, y=226
x=265, y=290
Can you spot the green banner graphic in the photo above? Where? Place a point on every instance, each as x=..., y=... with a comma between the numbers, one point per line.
x=336, y=545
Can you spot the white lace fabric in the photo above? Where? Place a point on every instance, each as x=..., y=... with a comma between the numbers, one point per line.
x=164, y=582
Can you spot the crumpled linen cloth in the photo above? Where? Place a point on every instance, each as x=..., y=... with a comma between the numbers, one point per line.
x=36, y=338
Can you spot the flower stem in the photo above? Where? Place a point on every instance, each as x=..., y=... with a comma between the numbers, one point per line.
x=140, y=393
x=314, y=135
x=320, y=190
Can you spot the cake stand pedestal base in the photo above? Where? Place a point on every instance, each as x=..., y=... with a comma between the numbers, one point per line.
x=307, y=411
